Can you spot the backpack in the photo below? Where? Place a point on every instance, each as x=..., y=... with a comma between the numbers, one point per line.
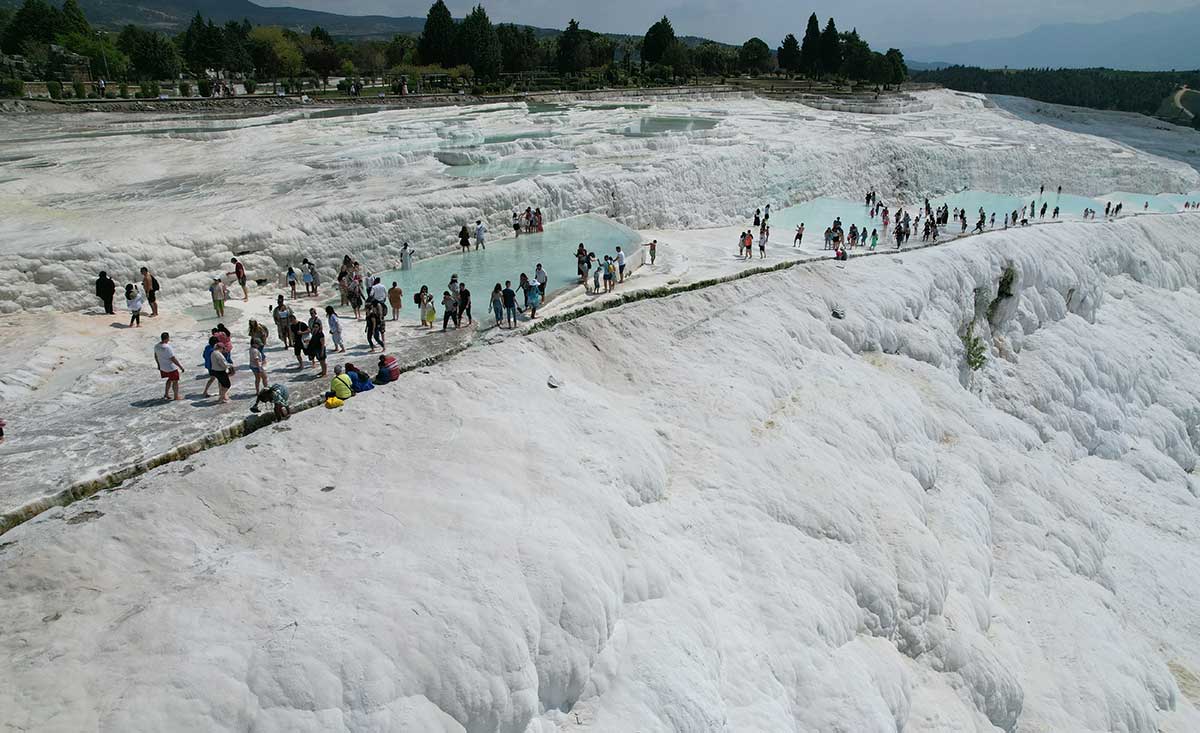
x=153, y=284
x=417, y=298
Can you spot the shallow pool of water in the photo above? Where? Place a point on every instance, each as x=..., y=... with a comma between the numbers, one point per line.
x=647, y=126
x=506, y=259
x=508, y=170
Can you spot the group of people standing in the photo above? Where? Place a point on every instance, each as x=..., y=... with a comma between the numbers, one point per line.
x=529, y=221
x=136, y=298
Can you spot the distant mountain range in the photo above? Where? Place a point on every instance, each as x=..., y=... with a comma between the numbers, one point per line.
x=172, y=16
x=1141, y=42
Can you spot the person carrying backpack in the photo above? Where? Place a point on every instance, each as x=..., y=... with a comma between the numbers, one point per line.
x=150, y=288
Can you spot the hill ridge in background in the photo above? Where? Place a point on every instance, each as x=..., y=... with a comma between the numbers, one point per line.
x=1148, y=41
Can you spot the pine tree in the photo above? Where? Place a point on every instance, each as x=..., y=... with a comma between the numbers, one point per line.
x=831, y=49
x=73, y=20
x=478, y=44
x=436, y=45
x=789, y=54
x=659, y=38
x=810, y=49
x=570, y=45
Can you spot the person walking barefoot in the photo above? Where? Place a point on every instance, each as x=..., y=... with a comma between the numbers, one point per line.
x=395, y=298
x=168, y=365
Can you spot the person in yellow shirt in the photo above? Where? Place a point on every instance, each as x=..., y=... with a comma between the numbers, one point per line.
x=339, y=386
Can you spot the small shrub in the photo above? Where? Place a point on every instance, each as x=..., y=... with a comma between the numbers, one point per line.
x=185, y=89
x=205, y=86
x=55, y=89
x=149, y=90
x=12, y=88
x=975, y=350
x=250, y=85
x=80, y=90
x=1003, y=292
x=123, y=91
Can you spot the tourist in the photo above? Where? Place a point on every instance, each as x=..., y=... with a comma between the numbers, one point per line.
x=377, y=293
x=169, y=367
x=464, y=239
x=389, y=369
x=516, y=223
x=757, y=217
x=581, y=263
x=341, y=385
x=335, y=328
x=281, y=314
x=537, y=219
x=798, y=240
x=425, y=307
x=354, y=295
x=509, y=297
x=395, y=298
x=535, y=299
x=621, y=264
x=766, y=214
x=541, y=278
x=258, y=331
x=449, y=310
x=291, y=281
x=653, y=250
x=217, y=290
x=405, y=257
x=277, y=396
x=219, y=369
x=374, y=326
x=105, y=289
x=874, y=239
x=610, y=274
x=239, y=272
x=497, y=303
x=464, y=304
x=134, y=302
x=360, y=381
x=524, y=285
x=316, y=344
x=762, y=243
x=480, y=233
x=299, y=333
x=258, y=365
x=150, y=288
x=1054, y=215
x=306, y=276
x=594, y=265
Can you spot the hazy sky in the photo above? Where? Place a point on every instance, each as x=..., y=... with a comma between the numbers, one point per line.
x=912, y=23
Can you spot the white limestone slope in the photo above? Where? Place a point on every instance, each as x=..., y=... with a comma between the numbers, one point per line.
x=182, y=195
x=735, y=513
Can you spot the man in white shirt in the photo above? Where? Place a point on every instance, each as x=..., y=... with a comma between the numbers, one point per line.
x=480, y=232
x=620, y=265
x=168, y=365
x=378, y=293
x=540, y=276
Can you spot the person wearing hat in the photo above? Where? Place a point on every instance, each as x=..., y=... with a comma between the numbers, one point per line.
x=218, y=296
x=258, y=364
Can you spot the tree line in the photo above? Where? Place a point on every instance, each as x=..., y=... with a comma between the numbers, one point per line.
x=1126, y=91
x=474, y=47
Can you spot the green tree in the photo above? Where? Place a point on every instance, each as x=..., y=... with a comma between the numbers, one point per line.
x=151, y=55
x=72, y=19
x=399, y=50
x=659, y=38
x=789, y=54
x=320, y=35
x=235, y=56
x=519, y=48
x=755, y=56
x=856, y=57
x=478, y=44
x=570, y=57
x=712, y=59
x=831, y=50
x=274, y=53
x=896, y=66
x=678, y=58
x=436, y=45
x=810, y=49
x=321, y=57
x=106, y=59
x=35, y=22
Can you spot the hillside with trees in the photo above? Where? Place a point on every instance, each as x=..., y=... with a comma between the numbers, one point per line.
x=1126, y=91
x=470, y=52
